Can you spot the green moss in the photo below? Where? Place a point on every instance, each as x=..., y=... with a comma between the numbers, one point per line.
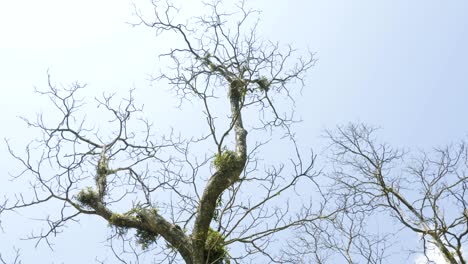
x=215, y=250
x=120, y=219
x=237, y=84
x=263, y=84
x=237, y=89
x=87, y=197
x=226, y=161
x=143, y=237
x=102, y=167
x=207, y=61
x=217, y=211
x=146, y=238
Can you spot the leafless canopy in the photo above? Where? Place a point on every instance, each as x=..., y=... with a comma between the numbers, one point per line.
x=425, y=193
x=369, y=182
x=214, y=207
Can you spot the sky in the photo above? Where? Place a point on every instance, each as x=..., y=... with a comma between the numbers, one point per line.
x=399, y=65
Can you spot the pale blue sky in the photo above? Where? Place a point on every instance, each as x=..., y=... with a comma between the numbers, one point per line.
x=397, y=64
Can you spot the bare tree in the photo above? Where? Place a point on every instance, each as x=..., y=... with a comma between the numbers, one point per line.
x=344, y=238
x=11, y=260
x=160, y=187
x=428, y=196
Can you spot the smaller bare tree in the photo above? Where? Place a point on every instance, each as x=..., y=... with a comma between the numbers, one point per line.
x=427, y=194
x=16, y=259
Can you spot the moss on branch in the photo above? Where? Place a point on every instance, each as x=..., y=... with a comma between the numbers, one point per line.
x=215, y=250
x=87, y=197
x=237, y=89
x=227, y=161
x=144, y=236
x=263, y=84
